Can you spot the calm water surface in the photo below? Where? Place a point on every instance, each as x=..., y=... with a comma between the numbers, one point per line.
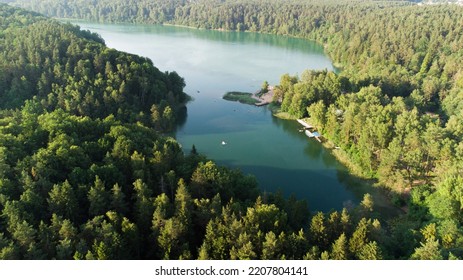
x=213, y=63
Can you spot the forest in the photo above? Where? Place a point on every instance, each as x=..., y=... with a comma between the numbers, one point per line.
x=127, y=191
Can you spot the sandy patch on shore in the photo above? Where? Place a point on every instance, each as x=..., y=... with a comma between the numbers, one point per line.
x=264, y=98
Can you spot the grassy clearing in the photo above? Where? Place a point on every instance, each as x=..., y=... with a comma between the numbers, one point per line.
x=242, y=97
x=284, y=116
x=276, y=111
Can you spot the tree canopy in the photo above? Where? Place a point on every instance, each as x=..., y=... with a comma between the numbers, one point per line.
x=85, y=173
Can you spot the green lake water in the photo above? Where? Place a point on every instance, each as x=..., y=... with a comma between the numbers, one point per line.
x=214, y=62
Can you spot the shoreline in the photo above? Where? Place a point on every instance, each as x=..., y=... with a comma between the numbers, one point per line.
x=257, y=98
x=340, y=156
x=381, y=195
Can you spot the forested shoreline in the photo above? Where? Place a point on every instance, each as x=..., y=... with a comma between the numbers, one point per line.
x=86, y=172
x=395, y=110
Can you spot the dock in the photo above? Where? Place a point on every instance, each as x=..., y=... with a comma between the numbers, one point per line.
x=314, y=134
x=308, y=130
x=304, y=124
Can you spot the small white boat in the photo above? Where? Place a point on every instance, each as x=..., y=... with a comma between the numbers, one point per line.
x=224, y=143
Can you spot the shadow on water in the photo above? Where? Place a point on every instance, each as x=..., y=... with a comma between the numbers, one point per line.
x=317, y=177
x=359, y=187
x=321, y=188
x=322, y=191
x=353, y=184
x=182, y=116
x=314, y=151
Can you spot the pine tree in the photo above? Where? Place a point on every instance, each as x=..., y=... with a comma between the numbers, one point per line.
x=63, y=201
x=270, y=247
x=243, y=248
x=203, y=254
x=117, y=201
x=98, y=198
x=370, y=251
x=359, y=237
x=367, y=204
x=339, y=249
x=429, y=250
x=143, y=206
x=183, y=203
x=318, y=230
x=171, y=239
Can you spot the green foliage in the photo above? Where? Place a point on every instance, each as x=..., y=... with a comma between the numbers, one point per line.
x=370, y=251
x=446, y=201
x=264, y=87
x=242, y=97
x=98, y=198
x=63, y=67
x=63, y=201
x=339, y=248
x=429, y=250
x=78, y=118
x=78, y=183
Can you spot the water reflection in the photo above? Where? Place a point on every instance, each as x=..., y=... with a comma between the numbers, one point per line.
x=182, y=117
x=233, y=37
x=313, y=151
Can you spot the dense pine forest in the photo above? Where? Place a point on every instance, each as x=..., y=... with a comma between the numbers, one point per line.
x=87, y=173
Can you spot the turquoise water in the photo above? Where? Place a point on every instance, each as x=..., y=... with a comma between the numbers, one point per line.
x=214, y=62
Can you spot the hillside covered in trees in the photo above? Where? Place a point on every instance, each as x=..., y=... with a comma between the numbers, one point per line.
x=395, y=111
x=86, y=173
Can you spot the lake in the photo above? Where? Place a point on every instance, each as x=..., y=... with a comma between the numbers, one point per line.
x=214, y=62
